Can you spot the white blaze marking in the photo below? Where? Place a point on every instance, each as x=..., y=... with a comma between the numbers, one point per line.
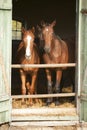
x=28, y=51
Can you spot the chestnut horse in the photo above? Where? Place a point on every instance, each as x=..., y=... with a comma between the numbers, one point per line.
x=54, y=51
x=27, y=53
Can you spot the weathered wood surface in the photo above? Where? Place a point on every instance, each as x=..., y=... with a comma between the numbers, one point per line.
x=44, y=95
x=43, y=65
x=45, y=123
x=44, y=111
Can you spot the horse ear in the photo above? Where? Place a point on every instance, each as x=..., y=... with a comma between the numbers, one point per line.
x=43, y=23
x=38, y=27
x=23, y=30
x=53, y=23
x=33, y=29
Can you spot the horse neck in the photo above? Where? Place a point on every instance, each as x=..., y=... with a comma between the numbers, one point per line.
x=33, y=54
x=56, y=46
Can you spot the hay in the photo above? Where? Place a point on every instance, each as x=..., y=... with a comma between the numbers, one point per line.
x=63, y=102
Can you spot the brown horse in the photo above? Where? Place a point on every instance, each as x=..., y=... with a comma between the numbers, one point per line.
x=27, y=53
x=54, y=51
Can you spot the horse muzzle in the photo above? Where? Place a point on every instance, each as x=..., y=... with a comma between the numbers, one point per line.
x=28, y=57
x=47, y=49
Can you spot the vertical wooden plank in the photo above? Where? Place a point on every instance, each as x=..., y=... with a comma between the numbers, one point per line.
x=83, y=57
x=5, y=50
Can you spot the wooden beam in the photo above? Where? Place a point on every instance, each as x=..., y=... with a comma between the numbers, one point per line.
x=44, y=111
x=44, y=95
x=43, y=65
x=45, y=123
x=45, y=114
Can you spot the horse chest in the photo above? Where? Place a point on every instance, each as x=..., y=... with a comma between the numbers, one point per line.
x=28, y=70
x=51, y=59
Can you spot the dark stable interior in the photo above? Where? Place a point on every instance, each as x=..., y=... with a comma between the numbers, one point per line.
x=31, y=13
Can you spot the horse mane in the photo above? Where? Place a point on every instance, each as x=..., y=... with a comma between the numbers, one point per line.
x=20, y=46
x=58, y=37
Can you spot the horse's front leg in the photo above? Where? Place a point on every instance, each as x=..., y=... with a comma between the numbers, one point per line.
x=33, y=85
x=23, y=80
x=57, y=84
x=49, y=85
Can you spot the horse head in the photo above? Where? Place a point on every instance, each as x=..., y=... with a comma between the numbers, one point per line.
x=47, y=35
x=28, y=41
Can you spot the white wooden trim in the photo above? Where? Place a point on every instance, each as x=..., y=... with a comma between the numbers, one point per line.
x=44, y=95
x=44, y=111
x=43, y=65
x=45, y=123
